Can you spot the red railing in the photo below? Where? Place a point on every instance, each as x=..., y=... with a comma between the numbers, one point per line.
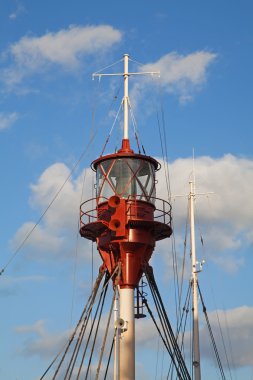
x=96, y=209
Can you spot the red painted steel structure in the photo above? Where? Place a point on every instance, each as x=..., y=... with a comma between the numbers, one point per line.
x=125, y=219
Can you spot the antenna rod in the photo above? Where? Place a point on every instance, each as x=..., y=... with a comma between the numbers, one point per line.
x=126, y=75
x=194, y=283
x=125, y=99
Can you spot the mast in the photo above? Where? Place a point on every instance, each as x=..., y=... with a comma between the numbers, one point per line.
x=194, y=284
x=125, y=99
x=124, y=227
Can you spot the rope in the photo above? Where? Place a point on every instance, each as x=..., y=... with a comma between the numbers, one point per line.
x=94, y=292
x=96, y=332
x=105, y=337
x=110, y=354
x=167, y=329
x=86, y=317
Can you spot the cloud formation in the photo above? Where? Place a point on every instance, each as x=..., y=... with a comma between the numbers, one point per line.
x=183, y=74
x=41, y=342
x=56, y=235
x=65, y=48
x=18, y=11
x=225, y=218
x=7, y=120
x=237, y=327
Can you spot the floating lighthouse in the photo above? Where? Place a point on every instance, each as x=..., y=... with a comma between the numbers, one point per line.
x=125, y=220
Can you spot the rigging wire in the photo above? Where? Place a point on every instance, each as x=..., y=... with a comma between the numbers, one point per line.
x=105, y=336
x=136, y=132
x=76, y=254
x=184, y=256
x=116, y=117
x=81, y=326
x=169, y=338
x=217, y=315
x=74, y=356
x=95, y=337
x=107, y=67
x=157, y=356
x=212, y=336
x=18, y=249
x=230, y=344
x=164, y=150
x=110, y=132
x=162, y=136
x=110, y=354
x=224, y=345
x=85, y=151
x=86, y=307
x=183, y=322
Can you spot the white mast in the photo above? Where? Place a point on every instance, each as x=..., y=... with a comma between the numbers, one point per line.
x=125, y=99
x=194, y=283
x=125, y=75
x=126, y=301
x=127, y=335
x=125, y=324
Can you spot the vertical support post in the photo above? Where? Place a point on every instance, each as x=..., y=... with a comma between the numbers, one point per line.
x=127, y=336
x=125, y=102
x=116, y=337
x=196, y=351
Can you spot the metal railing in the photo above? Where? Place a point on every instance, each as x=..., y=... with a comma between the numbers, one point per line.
x=97, y=209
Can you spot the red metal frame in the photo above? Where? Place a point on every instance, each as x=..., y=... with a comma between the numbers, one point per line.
x=126, y=228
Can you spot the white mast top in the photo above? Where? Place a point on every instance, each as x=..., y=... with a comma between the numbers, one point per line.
x=125, y=75
x=125, y=99
x=194, y=283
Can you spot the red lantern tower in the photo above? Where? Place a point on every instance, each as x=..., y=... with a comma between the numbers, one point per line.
x=126, y=222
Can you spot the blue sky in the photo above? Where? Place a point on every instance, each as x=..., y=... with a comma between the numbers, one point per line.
x=48, y=51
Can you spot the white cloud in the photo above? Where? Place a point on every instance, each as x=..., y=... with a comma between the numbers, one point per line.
x=223, y=219
x=56, y=234
x=182, y=74
x=7, y=120
x=237, y=328
x=19, y=10
x=41, y=342
x=65, y=48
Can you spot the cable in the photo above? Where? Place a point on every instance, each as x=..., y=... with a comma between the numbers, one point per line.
x=92, y=295
x=212, y=336
x=107, y=67
x=169, y=337
x=96, y=332
x=105, y=336
x=49, y=205
x=110, y=354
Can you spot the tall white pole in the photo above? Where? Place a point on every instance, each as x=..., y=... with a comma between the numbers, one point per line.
x=196, y=351
x=116, y=338
x=127, y=335
x=125, y=101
